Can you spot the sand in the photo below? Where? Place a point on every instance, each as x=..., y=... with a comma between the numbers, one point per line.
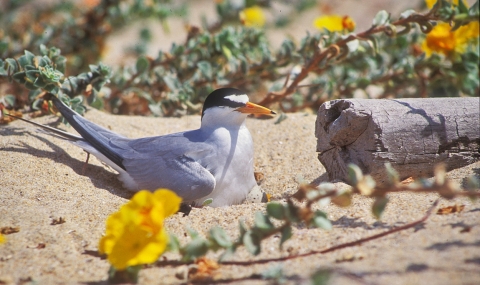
x=41, y=180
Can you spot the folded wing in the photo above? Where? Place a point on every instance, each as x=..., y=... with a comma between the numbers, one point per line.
x=169, y=161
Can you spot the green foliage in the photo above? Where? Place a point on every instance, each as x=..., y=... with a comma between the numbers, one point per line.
x=295, y=213
x=321, y=277
x=226, y=54
x=44, y=73
x=378, y=206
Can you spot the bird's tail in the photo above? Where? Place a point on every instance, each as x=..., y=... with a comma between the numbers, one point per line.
x=96, y=136
x=93, y=138
x=51, y=130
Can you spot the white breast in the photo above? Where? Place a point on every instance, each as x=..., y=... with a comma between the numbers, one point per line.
x=232, y=166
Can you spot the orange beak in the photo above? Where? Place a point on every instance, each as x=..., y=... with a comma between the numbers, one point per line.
x=251, y=108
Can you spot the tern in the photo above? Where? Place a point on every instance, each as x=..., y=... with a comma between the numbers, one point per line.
x=213, y=162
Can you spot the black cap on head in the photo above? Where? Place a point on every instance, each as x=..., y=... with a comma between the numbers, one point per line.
x=217, y=99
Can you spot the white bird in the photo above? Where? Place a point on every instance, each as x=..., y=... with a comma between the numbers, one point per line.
x=214, y=161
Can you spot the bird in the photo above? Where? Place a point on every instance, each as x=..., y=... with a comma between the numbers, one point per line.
x=213, y=163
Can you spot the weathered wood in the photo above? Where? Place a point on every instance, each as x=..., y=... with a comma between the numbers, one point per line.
x=412, y=134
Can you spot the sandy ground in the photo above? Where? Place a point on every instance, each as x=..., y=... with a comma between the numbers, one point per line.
x=41, y=180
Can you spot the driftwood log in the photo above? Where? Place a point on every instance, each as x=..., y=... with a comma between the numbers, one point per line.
x=412, y=134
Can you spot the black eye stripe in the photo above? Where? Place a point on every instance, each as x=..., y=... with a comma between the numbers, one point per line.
x=217, y=99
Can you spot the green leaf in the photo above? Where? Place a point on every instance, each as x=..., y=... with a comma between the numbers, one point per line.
x=227, y=52
x=10, y=100
x=196, y=248
x=207, y=202
x=173, y=243
x=53, y=88
x=156, y=109
x=242, y=229
x=98, y=84
x=32, y=74
x=286, y=234
x=320, y=220
x=30, y=67
x=379, y=206
x=219, y=235
x=171, y=82
x=24, y=60
x=407, y=13
x=281, y=118
x=142, y=64
x=321, y=277
x=206, y=69
x=20, y=77
x=39, y=82
x=291, y=212
x=60, y=63
x=473, y=183
x=43, y=49
x=96, y=102
x=104, y=70
x=37, y=104
x=76, y=100
x=355, y=174
x=252, y=241
x=227, y=254
x=462, y=8
x=93, y=68
x=30, y=86
x=353, y=45
x=12, y=65
x=393, y=176
x=276, y=210
x=192, y=233
x=44, y=61
x=262, y=222
x=79, y=109
x=274, y=273
x=381, y=18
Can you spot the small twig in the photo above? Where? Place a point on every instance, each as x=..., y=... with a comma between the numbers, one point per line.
x=340, y=246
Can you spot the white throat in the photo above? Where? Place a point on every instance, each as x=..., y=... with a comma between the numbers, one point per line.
x=226, y=117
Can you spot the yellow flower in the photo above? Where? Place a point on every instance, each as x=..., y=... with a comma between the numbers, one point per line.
x=252, y=17
x=334, y=23
x=135, y=234
x=442, y=40
x=2, y=239
x=430, y=3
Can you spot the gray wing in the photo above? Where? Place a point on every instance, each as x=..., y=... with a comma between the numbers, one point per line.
x=170, y=161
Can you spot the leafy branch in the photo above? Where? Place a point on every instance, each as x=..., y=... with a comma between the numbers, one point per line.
x=299, y=210
x=320, y=67
x=44, y=73
x=331, y=52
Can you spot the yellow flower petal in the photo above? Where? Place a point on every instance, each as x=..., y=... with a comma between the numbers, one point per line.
x=442, y=40
x=135, y=234
x=2, y=239
x=173, y=205
x=334, y=23
x=252, y=17
x=430, y=3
